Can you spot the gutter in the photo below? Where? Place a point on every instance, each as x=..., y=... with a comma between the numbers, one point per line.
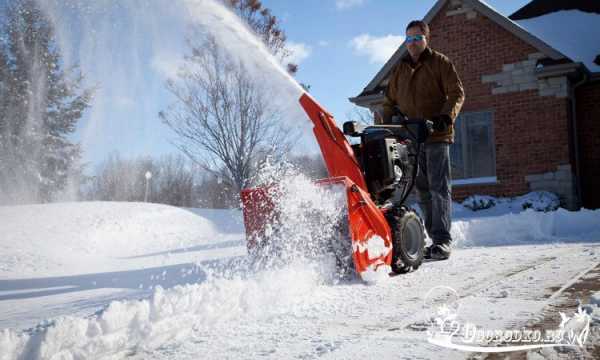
x=558, y=70
x=366, y=100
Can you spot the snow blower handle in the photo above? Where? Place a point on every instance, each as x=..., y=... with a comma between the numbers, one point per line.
x=398, y=117
x=417, y=130
x=420, y=129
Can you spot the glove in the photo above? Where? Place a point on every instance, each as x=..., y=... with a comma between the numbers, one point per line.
x=441, y=123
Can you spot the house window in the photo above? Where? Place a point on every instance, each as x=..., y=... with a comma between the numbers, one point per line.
x=473, y=155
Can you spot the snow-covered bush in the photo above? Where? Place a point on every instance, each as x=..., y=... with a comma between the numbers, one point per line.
x=479, y=202
x=539, y=201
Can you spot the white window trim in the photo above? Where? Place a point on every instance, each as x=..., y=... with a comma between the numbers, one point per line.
x=475, y=181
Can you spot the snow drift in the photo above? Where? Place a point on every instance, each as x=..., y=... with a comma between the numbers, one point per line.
x=78, y=238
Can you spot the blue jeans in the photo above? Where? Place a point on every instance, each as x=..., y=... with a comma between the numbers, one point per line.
x=435, y=191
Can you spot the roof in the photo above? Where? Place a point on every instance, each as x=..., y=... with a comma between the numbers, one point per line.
x=542, y=7
x=577, y=36
x=541, y=33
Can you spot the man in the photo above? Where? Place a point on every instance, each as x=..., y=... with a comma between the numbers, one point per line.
x=425, y=85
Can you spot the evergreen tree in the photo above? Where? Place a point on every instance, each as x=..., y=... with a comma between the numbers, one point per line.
x=40, y=107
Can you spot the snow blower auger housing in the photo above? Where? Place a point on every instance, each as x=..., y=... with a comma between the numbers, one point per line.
x=382, y=235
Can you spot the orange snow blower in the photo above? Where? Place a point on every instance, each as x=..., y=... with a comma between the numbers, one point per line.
x=382, y=234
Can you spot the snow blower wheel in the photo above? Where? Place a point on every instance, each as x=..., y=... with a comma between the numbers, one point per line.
x=408, y=240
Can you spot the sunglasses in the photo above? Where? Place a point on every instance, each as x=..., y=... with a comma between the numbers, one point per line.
x=413, y=38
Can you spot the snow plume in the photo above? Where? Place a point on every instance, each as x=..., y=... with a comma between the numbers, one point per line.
x=308, y=221
x=239, y=40
x=232, y=34
x=129, y=49
x=125, y=328
x=23, y=137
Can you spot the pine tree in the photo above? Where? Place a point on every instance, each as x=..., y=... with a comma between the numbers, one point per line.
x=40, y=107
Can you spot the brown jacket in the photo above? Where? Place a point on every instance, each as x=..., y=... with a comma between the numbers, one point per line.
x=426, y=89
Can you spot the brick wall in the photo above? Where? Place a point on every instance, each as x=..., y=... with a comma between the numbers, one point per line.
x=588, y=124
x=530, y=124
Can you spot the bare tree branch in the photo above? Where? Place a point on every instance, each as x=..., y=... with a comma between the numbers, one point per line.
x=223, y=117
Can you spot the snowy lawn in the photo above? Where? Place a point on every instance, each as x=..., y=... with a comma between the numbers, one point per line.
x=59, y=258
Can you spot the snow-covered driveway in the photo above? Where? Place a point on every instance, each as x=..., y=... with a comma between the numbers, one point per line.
x=181, y=289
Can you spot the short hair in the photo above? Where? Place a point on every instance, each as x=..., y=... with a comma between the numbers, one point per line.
x=421, y=25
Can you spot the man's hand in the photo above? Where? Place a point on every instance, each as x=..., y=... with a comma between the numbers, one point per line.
x=441, y=123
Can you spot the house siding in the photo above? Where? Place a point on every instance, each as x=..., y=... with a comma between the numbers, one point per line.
x=531, y=122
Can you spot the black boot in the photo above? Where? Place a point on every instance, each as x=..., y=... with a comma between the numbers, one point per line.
x=437, y=252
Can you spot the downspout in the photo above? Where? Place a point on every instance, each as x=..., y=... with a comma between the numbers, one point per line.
x=573, y=98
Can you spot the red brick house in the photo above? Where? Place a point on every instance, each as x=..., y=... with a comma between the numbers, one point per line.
x=531, y=119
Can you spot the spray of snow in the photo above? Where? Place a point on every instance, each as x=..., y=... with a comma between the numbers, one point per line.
x=233, y=35
x=130, y=48
x=240, y=41
x=309, y=221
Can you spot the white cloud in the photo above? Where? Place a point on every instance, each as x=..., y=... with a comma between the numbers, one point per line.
x=298, y=52
x=323, y=43
x=378, y=49
x=346, y=4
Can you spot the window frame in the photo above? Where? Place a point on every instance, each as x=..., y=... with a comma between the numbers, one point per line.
x=491, y=179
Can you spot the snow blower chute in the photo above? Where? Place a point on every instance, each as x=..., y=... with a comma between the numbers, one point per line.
x=382, y=234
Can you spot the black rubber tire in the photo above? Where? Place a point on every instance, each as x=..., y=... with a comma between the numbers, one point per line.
x=408, y=239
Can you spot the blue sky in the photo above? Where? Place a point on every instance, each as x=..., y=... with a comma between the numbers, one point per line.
x=129, y=50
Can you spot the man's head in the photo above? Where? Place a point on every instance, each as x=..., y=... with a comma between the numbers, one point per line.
x=417, y=33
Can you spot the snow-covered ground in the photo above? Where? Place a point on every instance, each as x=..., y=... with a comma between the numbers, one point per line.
x=86, y=254
x=110, y=280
